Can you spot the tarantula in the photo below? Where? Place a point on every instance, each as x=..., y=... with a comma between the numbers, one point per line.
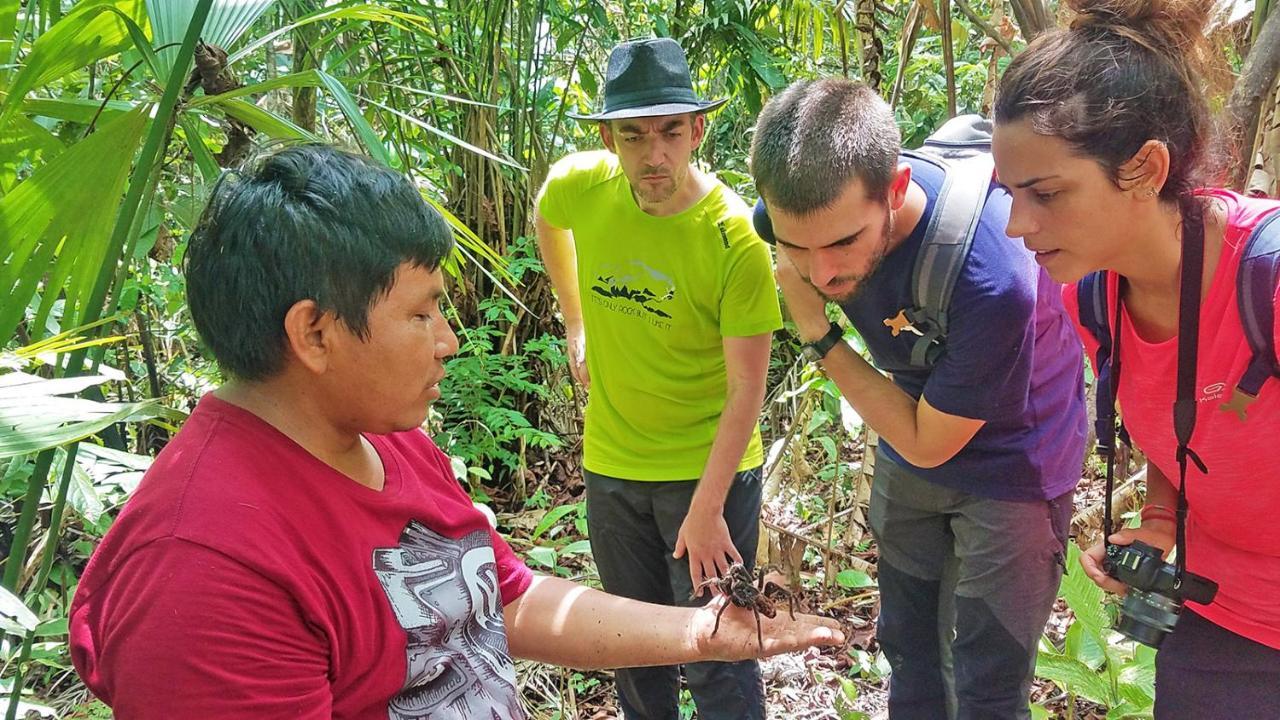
x=738, y=586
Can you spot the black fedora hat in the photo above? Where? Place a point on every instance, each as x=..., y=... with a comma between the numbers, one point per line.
x=647, y=78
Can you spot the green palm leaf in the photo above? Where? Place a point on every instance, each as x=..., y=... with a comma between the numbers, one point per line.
x=228, y=20
x=35, y=416
x=92, y=31
x=59, y=222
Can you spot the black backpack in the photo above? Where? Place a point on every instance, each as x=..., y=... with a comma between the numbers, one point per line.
x=962, y=149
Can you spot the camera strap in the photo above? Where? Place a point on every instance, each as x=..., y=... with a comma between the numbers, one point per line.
x=1184, y=406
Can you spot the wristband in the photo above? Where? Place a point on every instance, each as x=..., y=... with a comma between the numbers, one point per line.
x=1158, y=512
x=818, y=349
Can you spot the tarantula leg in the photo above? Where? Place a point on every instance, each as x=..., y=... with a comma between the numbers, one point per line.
x=716, y=629
x=702, y=586
x=759, y=634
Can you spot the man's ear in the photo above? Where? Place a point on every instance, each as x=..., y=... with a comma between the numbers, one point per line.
x=308, y=334
x=697, y=129
x=606, y=135
x=898, y=186
x=1147, y=170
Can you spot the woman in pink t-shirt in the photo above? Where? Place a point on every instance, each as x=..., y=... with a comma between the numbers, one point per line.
x=1100, y=133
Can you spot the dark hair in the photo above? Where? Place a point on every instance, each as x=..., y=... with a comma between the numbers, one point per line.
x=1124, y=73
x=816, y=137
x=306, y=222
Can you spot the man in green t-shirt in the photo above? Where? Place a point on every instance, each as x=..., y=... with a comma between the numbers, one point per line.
x=669, y=307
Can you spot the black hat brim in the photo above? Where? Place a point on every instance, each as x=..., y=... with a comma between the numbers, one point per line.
x=652, y=111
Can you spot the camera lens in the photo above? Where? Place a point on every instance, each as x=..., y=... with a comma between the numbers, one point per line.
x=1147, y=617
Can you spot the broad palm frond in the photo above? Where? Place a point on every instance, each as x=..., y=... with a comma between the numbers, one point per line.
x=36, y=415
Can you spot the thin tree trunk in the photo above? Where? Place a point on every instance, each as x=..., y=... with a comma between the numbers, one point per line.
x=1254, y=86
x=948, y=55
x=304, y=98
x=910, y=29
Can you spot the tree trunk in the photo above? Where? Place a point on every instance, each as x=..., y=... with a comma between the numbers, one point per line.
x=948, y=55
x=304, y=98
x=1245, y=108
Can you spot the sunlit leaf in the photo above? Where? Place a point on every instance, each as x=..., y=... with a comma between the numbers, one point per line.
x=14, y=616
x=59, y=222
x=91, y=31
x=34, y=416
x=227, y=21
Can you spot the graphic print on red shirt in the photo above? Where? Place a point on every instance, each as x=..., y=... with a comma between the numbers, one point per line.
x=445, y=594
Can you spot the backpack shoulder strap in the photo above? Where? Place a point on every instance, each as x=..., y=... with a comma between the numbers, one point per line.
x=947, y=240
x=1095, y=317
x=1256, y=282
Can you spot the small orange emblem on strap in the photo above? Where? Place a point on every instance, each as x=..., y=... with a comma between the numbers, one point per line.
x=899, y=323
x=1239, y=404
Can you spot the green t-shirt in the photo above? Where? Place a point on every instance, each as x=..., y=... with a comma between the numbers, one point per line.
x=658, y=296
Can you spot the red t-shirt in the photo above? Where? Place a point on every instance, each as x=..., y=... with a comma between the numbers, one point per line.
x=247, y=579
x=1233, y=536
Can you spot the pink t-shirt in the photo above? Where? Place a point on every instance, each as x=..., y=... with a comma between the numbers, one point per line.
x=1233, y=530
x=246, y=578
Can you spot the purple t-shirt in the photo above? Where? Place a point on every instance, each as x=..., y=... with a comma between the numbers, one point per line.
x=1012, y=359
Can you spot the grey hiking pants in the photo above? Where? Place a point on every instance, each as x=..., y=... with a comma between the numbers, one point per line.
x=633, y=527
x=966, y=585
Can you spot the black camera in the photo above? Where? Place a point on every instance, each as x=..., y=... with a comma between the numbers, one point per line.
x=1155, y=597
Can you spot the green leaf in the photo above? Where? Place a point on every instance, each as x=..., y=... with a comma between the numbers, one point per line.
x=227, y=21
x=93, y=30
x=853, y=579
x=8, y=26
x=265, y=121
x=1082, y=645
x=765, y=69
x=33, y=416
x=20, y=141
x=544, y=556
x=1073, y=676
x=82, y=496
x=1084, y=598
x=109, y=467
x=204, y=158
x=1130, y=711
x=448, y=136
x=577, y=547
x=59, y=221
x=306, y=78
x=14, y=616
x=844, y=701
x=367, y=12
x=80, y=110
x=552, y=517
x=368, y=137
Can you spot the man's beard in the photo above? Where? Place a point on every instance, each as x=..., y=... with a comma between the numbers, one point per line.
x=860, y=281
x=661, y=193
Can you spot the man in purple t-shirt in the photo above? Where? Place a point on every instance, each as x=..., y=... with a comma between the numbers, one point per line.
x=980, y=453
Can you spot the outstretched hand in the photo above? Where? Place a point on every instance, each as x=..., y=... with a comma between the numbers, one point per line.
x=736, y=637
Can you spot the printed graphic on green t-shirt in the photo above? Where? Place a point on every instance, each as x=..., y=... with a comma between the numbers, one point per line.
x=659, y=294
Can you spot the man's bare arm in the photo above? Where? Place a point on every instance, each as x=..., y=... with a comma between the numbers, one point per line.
x=563, y=623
